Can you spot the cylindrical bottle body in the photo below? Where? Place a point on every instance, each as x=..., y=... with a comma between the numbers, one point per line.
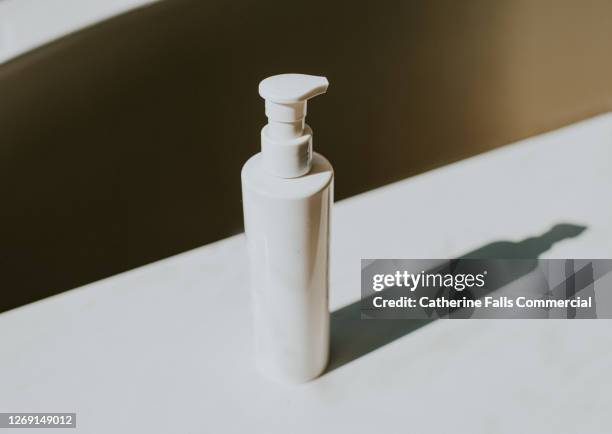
x=287, y=231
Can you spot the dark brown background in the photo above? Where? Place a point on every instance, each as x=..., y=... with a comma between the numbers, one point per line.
x=123, y=143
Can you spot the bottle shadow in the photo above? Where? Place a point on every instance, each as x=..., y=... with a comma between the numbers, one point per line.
x=352, y=338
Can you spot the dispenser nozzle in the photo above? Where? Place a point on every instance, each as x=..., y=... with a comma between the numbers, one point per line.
x=286, y=96
x=286, y=140
x=291, y=88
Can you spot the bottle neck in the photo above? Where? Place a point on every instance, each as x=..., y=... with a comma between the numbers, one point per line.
x=284, y=154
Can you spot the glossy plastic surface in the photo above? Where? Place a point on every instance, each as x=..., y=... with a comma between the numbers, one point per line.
x=287, y=228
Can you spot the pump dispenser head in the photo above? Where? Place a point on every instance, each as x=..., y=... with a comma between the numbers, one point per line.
x=286, y=141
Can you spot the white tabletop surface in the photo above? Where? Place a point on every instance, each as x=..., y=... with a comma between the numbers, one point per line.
x=166, y=348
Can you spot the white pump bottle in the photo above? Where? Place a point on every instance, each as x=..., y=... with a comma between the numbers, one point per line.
x=287, y=196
